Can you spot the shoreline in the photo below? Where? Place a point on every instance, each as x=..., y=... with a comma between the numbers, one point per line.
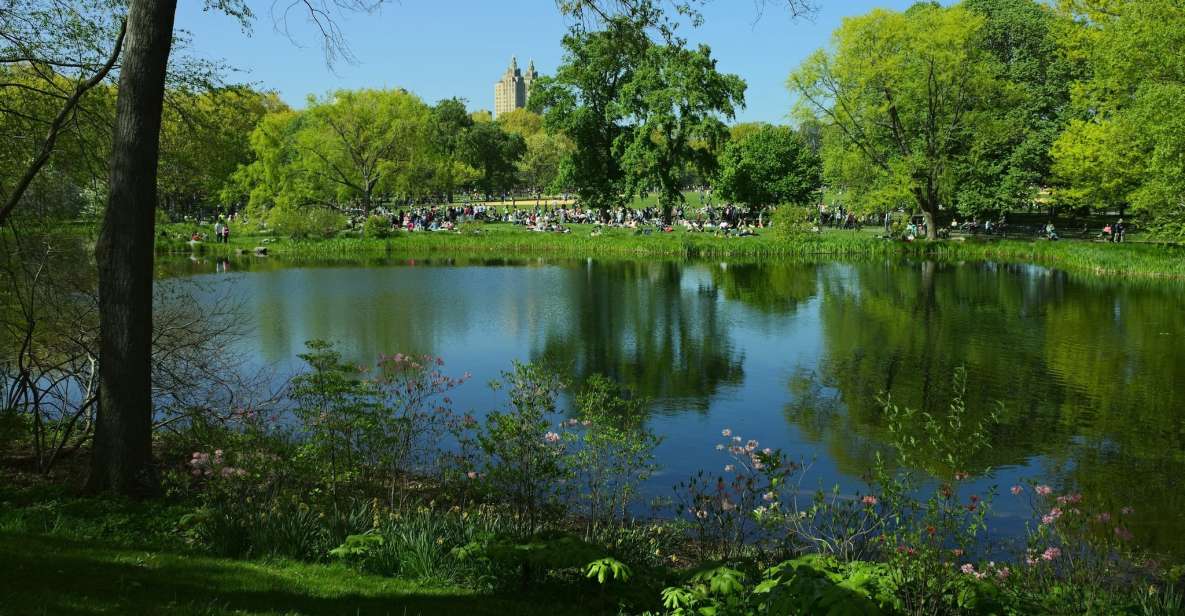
x=1146, y=260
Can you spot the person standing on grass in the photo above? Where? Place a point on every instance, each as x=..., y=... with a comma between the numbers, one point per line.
x=226, y=233
x=218, y=231
x=1120, y=230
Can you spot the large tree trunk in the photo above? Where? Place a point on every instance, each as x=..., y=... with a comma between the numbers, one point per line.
x=122, y=459
x=928, y=203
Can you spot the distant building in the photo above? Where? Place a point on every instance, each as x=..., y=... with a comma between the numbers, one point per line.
x=512, y=90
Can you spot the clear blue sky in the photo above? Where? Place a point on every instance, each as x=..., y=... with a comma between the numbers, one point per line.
x=444, y=48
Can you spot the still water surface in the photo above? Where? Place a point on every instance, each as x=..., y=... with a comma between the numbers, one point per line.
x=1090, y=373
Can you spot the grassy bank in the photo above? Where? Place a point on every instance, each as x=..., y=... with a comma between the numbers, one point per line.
x=501, y=240
x=42, y=574
x=61, y=553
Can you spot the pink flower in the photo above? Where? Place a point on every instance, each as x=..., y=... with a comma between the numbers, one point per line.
x=767, y=451
x=1003, y=573
x=726, y=433
x=869, y=500
x=727, y=505
x=471, y=474
x=1127, y=511
x=728, y=468
x=1043, y=490
x=757, y=465
x=1103, y=517
x=551, y=437
x=768, y=497
x=1016, y=490
x=736, y=439
x=701, y=514
x=751, y=445
x=1051, y=553
x=1071, y=499
x=960, y=475
x=586, y=423
x=968, y=569
x=1123, y=534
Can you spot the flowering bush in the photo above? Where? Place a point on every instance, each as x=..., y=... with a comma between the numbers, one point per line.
x=612, y=451
x=373, y=428
x=516, y=456
x=725, y=508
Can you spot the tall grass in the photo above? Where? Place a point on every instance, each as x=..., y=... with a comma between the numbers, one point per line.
x=502, y=240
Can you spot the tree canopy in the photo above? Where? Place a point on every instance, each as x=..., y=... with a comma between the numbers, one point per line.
x=770, y=166
x=904, y=90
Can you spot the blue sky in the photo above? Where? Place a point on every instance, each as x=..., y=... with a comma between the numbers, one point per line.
x=444, y=48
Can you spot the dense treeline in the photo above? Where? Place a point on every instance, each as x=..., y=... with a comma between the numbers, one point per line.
x=990, y=106
x=983, y=107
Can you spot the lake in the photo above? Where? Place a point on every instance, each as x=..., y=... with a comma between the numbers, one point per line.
x=1088, y=375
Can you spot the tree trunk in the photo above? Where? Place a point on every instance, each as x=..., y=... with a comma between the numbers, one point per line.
x=931, y=230
x=122, y=458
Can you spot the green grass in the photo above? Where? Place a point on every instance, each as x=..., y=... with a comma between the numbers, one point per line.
x=503, y=240
x=52, y=575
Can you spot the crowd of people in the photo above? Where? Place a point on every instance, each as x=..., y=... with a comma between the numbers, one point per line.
x=728, y=218
x=725, y=219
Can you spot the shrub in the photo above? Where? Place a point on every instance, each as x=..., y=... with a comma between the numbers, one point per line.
x=614, y=453
x=373, y=428
x=521, y=459
x=805, y=586
x=302, y=223
x=791, y=221
x=378, y=227
x=725, y=508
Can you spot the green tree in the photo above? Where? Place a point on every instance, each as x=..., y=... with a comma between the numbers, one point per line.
x=581, y=102
x=205, y=138
x=495, y=154
x=539, y=168
x=447, y=127
x=676, y=99
x=348, y=150
x=769, y=167
x=53, y=62
x=362, y=144
x=904, y=89
x=1009, y=160
x=522, y=122
x=1127, y=149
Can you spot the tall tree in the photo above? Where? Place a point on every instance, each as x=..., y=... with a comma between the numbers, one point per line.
x=123, y=432
x=769, y=167
x=677, y=100
x=581, y=102
x=205, y=137
x=904, y=89
x=361, y=143
x=1126, y=148
x=447, y=127
x=495, y=154
x=1009, y=160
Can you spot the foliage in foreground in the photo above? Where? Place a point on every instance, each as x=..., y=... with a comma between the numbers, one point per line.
x=359, y=480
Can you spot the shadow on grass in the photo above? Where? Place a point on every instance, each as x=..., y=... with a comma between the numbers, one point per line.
x=47, y=575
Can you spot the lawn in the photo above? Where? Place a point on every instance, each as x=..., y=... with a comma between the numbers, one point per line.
x=52, y=575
